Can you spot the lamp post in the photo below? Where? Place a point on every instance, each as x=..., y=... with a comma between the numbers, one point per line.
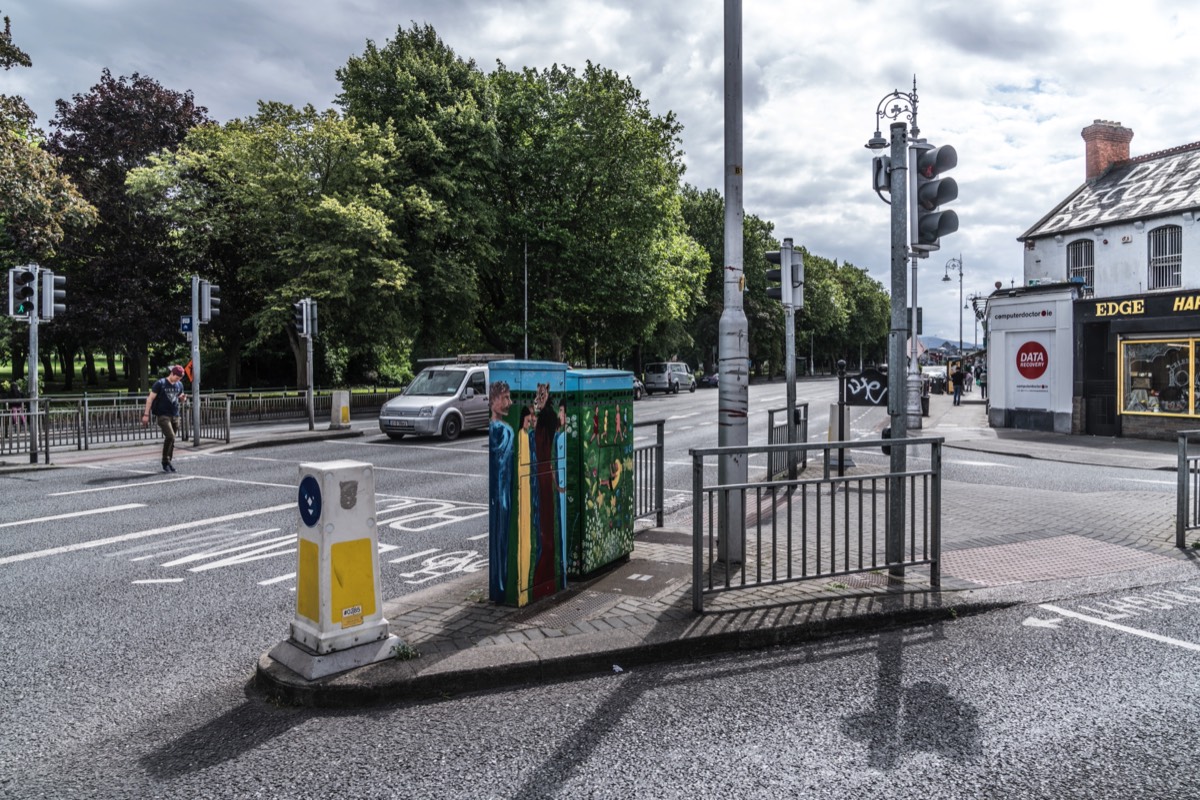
x=890, y=173
x=956, y=263
x=975, y=301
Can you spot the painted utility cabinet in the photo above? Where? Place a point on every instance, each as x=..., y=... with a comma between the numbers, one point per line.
x=527, y=482
x=599, y=468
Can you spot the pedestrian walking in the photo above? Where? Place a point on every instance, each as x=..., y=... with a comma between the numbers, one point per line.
x=982, y=379
x=969, y=374
x=958, y=377
x=163, y=402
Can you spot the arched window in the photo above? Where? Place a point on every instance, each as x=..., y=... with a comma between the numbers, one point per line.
x=1081, y=264
x=1166, y=258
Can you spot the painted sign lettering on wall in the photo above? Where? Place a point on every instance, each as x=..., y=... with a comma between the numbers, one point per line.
x=1032, y=361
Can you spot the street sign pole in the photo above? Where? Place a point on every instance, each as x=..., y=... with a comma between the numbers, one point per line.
x=34, y=420
x=196, y=361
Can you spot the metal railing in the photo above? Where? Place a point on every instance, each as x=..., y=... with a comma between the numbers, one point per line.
x=81, y=421
x=1187, y=487
x=777, y=462
x=648, y=465
x=818, y=525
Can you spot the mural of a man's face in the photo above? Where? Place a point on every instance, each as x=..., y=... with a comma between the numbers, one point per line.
x=501, y=400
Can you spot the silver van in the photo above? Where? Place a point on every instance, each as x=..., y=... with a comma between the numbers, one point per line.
x=443, y=400
x=669, y=376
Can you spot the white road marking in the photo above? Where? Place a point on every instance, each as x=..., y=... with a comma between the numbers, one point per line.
x=414, y=555
x=160, y=580
x=1143, y=480
x=477, y=538
x=71, y=548
x=683, y=416
x=210, y=554
x=981, y=464
x=122, y=486
x=1034, y=622
x=87, y=513
x=280, y=579
x=432, y=472
x=1123, y=628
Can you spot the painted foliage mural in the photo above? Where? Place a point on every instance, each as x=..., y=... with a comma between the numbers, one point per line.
x=560, y=476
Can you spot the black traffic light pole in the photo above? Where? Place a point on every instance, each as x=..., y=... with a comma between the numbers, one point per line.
x=34, y=420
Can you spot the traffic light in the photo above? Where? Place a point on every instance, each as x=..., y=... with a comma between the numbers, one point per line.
x=789, y=274
x=928, y=191
x=300, y=317
x=312, y=317
x=210, y=301
x=22, y=292
x=54, y=294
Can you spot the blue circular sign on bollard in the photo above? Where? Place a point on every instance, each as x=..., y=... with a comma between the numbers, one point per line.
x=310, y=501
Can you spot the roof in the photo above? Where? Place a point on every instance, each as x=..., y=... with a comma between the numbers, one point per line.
x=1148, y=186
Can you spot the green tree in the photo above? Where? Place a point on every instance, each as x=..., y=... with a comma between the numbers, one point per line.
x=134, y=282
x=37, y=201
x=704, y=212
x=589, y=184
x=441, y=112
x=287, y=204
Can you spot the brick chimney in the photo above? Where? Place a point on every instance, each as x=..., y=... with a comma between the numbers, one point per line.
x=1107, y=143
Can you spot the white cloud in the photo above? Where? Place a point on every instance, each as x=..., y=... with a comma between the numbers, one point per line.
x=1010, y=83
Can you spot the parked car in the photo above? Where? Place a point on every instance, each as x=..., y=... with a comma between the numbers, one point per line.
x=712, y=381
x=443, y=400
x=669, y=376
x=639, y=388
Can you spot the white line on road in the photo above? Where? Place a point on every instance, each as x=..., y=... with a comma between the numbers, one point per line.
x=1123, y=628
x=683, y=416
x=477, y=538
x=87, y=513
x=71, y=548
x=280, y=579
x=160, y=580
x=122, y=486
x=414, y=555
x=980, y=464
x=431, y=472
x=1143, y=480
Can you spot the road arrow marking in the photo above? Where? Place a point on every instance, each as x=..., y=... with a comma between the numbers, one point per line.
x=1123, y=628
x=1034, y=622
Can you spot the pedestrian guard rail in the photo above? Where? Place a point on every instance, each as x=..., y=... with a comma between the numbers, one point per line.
x=819, y=525
x=648, y=464
x=777, y=433
x=1187, y=486
x=80, y=422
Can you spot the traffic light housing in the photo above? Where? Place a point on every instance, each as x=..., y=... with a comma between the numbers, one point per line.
x=22, y=292
x=300, y=317
x=928, y=191
x=312, y=317
x=54, y=294
x=789, y=275
x=210, y=301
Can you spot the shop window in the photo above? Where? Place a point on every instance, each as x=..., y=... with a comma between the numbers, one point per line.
x=1166, y=257
x=1081, y=264
x=1158, y=377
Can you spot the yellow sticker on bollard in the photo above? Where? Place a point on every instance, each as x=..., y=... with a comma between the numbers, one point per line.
x=353, y=580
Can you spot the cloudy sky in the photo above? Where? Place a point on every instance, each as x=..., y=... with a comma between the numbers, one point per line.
x=1009, y=83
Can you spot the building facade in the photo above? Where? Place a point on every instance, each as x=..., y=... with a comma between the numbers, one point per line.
x=1118, y=263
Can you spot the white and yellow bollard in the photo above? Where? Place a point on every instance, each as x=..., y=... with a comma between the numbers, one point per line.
x=339, y=621
x=338, y=600
x=339, y=409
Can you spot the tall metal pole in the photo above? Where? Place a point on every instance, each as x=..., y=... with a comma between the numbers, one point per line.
x=526, y=298
x=960, y=303
x=196, y=361
x=34, y=419
x=734, y=399
x=897, y=374
x=913, y=396
x=789, y=345
x=309, y=399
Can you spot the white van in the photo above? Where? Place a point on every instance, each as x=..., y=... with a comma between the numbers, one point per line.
x=441, y=401
x=668, y=376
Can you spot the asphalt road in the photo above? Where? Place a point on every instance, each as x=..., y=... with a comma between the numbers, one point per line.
x=136, y=604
